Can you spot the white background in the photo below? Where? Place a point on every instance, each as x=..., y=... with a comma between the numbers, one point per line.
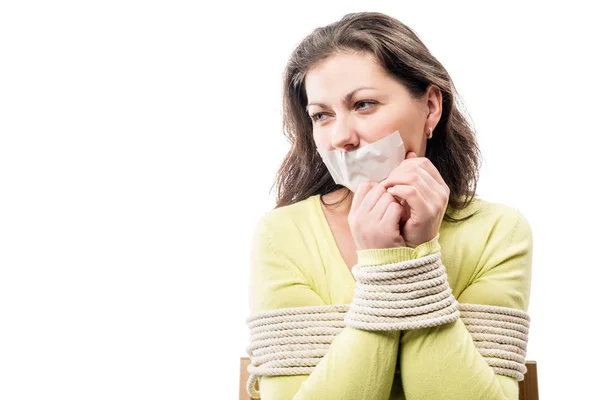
x=139, y=142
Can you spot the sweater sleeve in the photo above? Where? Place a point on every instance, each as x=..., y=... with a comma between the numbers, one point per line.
x=359, y=364
x=443, y=361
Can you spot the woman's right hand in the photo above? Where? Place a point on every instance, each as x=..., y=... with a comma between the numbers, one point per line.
x=374, y=218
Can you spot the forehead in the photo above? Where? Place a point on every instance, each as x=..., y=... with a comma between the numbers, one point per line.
x=341, y=73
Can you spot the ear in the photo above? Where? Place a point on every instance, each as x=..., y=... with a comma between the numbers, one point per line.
x=433, y=101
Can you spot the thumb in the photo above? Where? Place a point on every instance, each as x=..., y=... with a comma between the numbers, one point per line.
x=411, y=154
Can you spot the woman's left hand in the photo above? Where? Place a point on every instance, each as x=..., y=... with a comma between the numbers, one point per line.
x=425, y=195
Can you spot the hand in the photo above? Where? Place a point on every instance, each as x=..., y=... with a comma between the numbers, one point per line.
x=424, y=195
x=374, y=217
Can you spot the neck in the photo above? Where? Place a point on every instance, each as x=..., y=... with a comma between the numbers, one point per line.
x=332, y=199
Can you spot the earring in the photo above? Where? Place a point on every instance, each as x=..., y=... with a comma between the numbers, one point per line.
x=430, y=133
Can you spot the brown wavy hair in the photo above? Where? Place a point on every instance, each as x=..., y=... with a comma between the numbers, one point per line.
x=453, y=149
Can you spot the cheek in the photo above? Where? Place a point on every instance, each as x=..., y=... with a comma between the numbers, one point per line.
x=321, y=141
x=380, y=125
x=406, y=122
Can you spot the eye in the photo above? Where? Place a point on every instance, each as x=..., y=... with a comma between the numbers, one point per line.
x=365, y=104
x=316, y=117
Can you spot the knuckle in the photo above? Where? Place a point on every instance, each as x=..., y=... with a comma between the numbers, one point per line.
x=377, y=188
x=413, y=178
x=387, y=197
x=425, y=161
x=411, y=166
x=433, y=213
x=367, y=185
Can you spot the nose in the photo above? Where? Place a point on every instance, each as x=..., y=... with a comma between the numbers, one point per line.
x=344, y=136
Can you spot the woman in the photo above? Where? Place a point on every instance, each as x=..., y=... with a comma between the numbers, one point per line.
x=394, y=287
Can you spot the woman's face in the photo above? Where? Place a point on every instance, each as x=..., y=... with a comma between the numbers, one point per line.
x=353, y=101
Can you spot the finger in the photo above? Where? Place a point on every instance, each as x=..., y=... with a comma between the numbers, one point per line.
x=372, y=197
x=417, y=179
x=438, y=192
x=405, y=166
x=393, y=214
x=410, y=163
x=411, y=154
x=361, y=191
x=382, y=204
x=414, y=199
x=427, y=178
x=405, y=209
x=428, y=166
x=419, y=165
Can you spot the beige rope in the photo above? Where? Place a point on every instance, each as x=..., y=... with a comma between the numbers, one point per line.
x=385, y=298
x=408, y=295
x=500, y=334
x=301, y=335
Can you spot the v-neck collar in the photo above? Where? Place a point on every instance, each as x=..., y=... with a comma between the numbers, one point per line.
x=330, y=243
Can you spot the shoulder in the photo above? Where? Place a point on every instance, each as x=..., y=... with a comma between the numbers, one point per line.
x=507, y=234
x=493, y=235
x=492, y=232
x=488, y=218
x=491, y=256
x=289, y=231
x=288, y=220
x=280, y=260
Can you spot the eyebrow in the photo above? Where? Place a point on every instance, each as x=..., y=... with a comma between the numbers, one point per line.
x=346, y=97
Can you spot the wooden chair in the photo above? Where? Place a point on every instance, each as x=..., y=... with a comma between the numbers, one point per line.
x=528, y=388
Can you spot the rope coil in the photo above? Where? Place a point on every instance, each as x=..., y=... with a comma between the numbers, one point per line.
x=412, y=294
